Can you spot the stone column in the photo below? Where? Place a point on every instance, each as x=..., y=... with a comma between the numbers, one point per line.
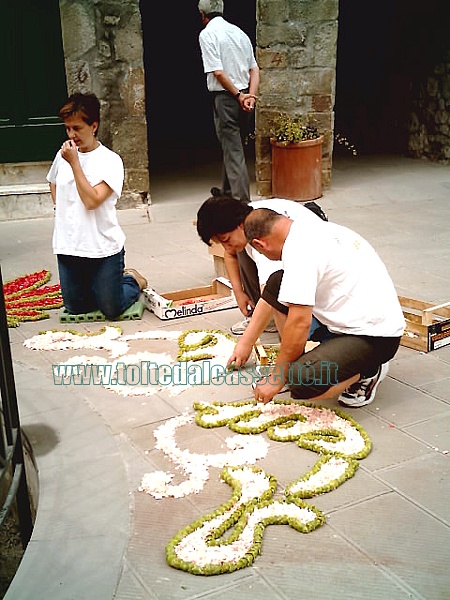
x=103, y=52
x=296, y=52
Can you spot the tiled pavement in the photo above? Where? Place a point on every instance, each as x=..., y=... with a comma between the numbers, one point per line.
x=387, y=530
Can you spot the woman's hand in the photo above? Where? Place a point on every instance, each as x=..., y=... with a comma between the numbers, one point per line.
x=91, y=196
x=69, y=152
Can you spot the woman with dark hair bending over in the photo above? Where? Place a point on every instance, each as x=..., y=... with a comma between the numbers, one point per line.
x=86, y=180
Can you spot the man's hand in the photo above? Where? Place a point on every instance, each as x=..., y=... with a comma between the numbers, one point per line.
x=293, y=340
x=268, y=388
x=240, y=355
x=244, y=302
x=247, y=102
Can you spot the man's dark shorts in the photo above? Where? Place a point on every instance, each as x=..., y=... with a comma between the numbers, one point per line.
x=338, y=356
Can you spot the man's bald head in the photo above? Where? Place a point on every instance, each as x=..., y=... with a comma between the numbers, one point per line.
x=266, y=230
x=260, y=222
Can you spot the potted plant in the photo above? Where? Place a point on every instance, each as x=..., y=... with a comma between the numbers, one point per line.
x=296, y=158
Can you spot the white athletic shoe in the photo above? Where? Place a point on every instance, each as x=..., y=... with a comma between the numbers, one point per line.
x=239, y=327
x=362, y=392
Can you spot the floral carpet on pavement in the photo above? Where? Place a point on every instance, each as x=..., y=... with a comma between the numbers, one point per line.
x=229, y=537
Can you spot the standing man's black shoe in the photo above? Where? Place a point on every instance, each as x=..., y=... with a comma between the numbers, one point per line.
x=215, y=191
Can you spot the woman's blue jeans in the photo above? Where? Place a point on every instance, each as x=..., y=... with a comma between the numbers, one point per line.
x=89, y=284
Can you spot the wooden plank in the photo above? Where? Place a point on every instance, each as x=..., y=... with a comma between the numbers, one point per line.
x=412, y=303
x=261, y=355
x=413, y=318
x=440, y=309
x=414, y=343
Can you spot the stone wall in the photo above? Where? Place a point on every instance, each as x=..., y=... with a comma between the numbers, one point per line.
x=104, y=54
x=429, y=125
x=297, y=41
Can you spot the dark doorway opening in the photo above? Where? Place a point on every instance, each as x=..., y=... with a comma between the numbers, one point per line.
x=179, y=116
x=384, y=57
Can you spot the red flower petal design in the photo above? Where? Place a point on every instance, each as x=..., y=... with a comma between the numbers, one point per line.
x=27, y=297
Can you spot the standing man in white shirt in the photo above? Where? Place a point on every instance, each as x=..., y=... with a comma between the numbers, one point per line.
x=232, y=77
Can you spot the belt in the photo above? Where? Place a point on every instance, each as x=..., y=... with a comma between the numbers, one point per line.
x=215, y=93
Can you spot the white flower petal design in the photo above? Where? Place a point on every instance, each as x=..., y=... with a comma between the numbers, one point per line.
x=242, y=449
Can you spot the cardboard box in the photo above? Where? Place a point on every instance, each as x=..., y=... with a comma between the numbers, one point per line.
x=192, y=302
x=427, y=325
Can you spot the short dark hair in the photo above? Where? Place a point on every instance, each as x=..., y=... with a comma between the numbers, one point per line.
x=220, y=214
x=86, y=105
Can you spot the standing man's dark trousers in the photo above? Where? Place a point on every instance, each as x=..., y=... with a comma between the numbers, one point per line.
x=227, y=121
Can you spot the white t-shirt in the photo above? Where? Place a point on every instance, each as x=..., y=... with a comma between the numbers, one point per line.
x=338, y=273
x=227, y=48
x=288, y=208
x=79, y=231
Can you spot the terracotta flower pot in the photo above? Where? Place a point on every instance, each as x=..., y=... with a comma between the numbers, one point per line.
x=297, y=169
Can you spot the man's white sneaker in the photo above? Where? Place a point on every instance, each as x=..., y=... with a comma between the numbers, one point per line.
x=271, y=327
x=239, y=327
x=362, y=392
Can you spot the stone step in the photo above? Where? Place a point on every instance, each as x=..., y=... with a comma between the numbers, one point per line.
x=24, y=191
x=25, y=188
x=25, y=201
x=23, y=173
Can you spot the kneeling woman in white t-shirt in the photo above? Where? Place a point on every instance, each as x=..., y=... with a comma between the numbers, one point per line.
x=86, y=180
